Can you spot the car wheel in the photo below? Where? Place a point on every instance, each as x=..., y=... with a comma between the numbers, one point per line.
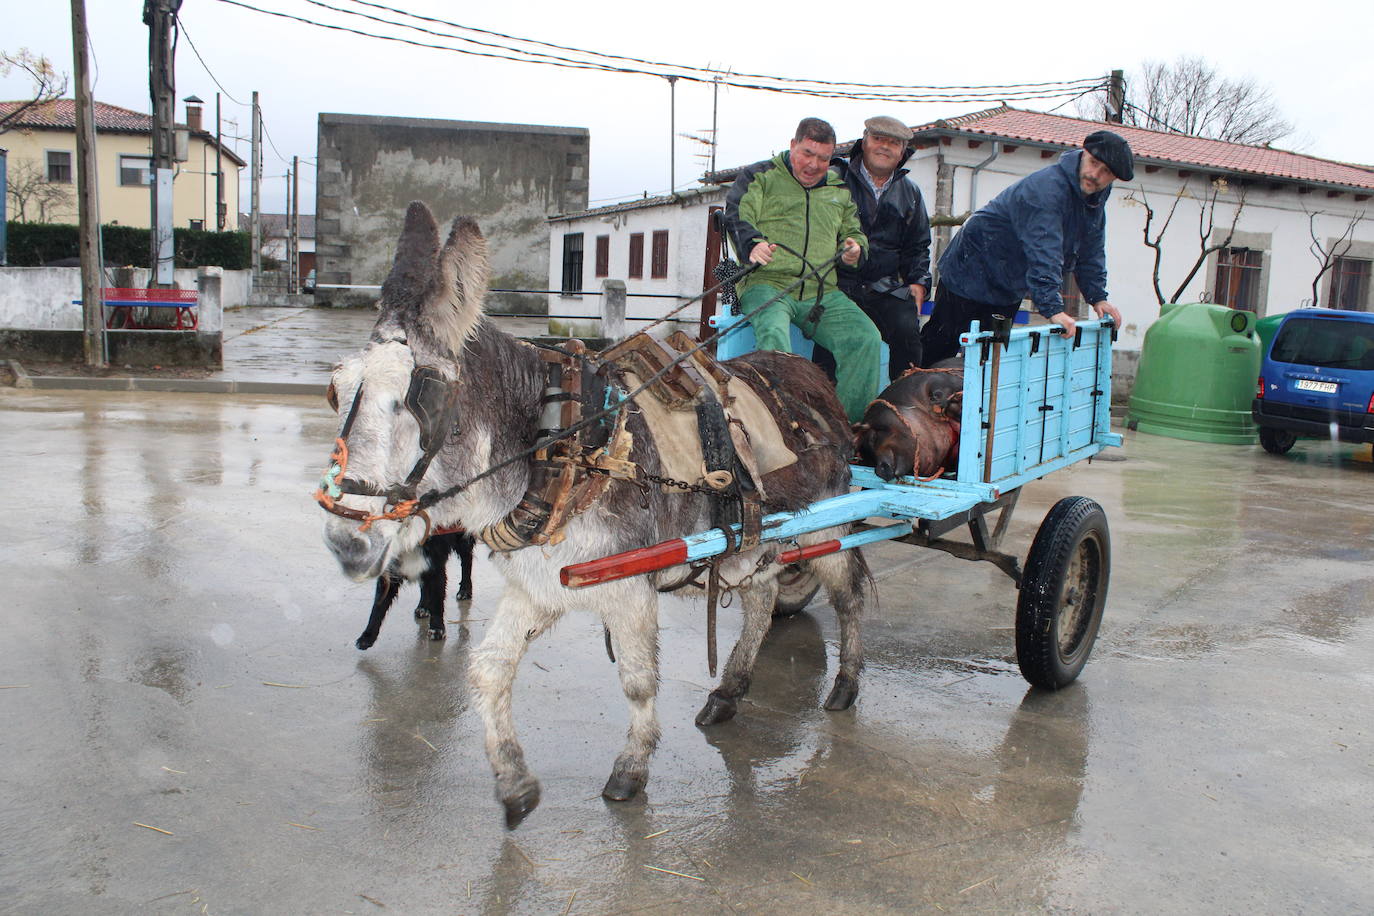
x=1276, y=441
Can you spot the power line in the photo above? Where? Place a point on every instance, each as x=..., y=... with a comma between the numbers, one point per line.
x=1017, y=92
x=653, y=63
x=181, y=27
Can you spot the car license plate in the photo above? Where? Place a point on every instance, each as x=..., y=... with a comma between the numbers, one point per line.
x=1304, y=384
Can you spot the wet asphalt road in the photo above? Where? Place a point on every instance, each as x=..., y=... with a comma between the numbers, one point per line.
x=186, y=727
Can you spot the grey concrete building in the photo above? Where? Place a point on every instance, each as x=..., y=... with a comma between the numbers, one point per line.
x=509, y=177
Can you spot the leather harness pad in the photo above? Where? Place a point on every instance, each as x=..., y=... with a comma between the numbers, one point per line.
x=672, y=419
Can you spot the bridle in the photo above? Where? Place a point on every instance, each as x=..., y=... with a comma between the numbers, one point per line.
x=433, y=402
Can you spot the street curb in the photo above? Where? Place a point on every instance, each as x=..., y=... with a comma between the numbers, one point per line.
x=22, y=379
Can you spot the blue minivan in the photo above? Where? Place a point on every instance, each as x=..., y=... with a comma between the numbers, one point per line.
x=1317, y=379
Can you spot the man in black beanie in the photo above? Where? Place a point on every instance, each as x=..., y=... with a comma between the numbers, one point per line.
x=1024, y=241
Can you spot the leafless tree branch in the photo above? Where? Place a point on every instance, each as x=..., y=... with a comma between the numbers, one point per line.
x=1326, y=257
x=1189, y=96
x=48, y=84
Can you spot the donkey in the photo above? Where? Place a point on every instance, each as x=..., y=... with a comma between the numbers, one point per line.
x=430, y=566
x=439, y=395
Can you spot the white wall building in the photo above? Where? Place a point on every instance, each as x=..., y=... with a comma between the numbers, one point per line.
x=1285, y=199
x=656, y=246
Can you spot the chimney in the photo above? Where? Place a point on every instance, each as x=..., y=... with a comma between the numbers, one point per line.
x=193, y=105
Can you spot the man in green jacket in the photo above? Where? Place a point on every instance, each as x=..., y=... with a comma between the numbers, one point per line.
x=789, y=215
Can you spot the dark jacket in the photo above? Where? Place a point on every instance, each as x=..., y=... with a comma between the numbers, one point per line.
x=766, y=203
x=897, y=227
x=1023, y=242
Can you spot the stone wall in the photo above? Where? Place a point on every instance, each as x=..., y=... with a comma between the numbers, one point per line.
x=41, y=320
x=44, y=298
x=509, y=177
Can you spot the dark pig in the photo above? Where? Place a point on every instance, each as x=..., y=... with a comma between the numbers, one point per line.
x=912, y=427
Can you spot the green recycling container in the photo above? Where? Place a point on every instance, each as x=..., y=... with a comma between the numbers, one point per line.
x=1197, y=375
x=1266, y=328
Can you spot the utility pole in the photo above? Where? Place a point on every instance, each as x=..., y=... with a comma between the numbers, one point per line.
x=295, y=243
x=255, y=184
x=158, y=15
x=219, y=169
x=1116, y=97
x=672, y=133
x=88, y=201
x=715, y=104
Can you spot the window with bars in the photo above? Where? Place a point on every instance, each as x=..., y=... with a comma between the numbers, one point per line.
x=636, y=271
x=1238, y=278
x=658, y=266
x=1349, y=284
x=59, y=166
x=603, y=256
x=572, y=263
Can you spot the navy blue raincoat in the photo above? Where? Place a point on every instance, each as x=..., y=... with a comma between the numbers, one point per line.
x=1024, y=241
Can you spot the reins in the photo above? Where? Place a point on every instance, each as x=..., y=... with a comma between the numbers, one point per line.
x=331, y=487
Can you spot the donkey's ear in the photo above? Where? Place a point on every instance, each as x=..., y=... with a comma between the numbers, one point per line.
x=464, y=271
x=412, y=273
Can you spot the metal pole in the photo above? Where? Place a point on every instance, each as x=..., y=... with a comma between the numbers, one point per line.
x=295, y=224
x=88, y=200
x=159, y=15
x=219, y=169
x=672, y=134
x=255, y=186
x=715, y=105
x=4, y=192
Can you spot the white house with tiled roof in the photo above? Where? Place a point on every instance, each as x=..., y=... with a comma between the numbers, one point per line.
x=41, y=153
x=961, y=163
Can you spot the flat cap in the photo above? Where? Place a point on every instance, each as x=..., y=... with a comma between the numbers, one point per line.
x=883, y=126
x=1114, y=152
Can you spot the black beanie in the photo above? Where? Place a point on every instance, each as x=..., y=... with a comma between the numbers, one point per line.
x=1114, y=152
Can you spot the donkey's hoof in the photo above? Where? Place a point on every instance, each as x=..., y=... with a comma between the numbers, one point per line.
x=624, y=785
x=521, y=802
x=438, y=632
x=465, y=592
x=365, y=642
x=843, y=694
x=718, y=709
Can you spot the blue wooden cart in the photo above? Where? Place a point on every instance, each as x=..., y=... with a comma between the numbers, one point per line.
x=1034, y=402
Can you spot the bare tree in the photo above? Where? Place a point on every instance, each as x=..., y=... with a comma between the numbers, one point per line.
x=1208, y=239
x=48, y=84
x=31, y=194
x=1189, y=96
x=1326, y=255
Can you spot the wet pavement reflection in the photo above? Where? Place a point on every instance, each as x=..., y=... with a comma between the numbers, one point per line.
x=188, y=728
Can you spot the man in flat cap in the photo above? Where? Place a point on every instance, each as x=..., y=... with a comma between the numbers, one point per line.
x=894, y=282
x=1024, y=241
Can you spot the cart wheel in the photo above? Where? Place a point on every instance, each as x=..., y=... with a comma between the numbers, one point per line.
x=797, y=585
x=1276, y=441
x=1063, y=592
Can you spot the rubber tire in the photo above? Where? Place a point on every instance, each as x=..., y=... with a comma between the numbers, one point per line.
x=797, y=585
x=1072, y=540
x=1276, y=441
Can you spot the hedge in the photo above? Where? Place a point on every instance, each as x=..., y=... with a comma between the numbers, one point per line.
x=37, y=244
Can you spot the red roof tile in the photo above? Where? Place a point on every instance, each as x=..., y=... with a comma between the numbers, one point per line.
x=61, y=114
x=1158, y=147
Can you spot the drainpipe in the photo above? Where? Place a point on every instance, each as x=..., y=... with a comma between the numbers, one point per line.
x=973, y=178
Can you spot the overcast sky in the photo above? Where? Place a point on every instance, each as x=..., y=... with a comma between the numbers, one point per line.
x=1313, y=56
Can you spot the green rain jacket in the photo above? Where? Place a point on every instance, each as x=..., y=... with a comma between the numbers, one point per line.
x=768, y=204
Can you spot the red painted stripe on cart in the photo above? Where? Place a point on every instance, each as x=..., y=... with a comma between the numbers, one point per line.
x=807, y=553
x=624, y=565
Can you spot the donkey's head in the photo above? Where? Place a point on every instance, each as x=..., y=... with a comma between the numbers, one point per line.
x=397, y=399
